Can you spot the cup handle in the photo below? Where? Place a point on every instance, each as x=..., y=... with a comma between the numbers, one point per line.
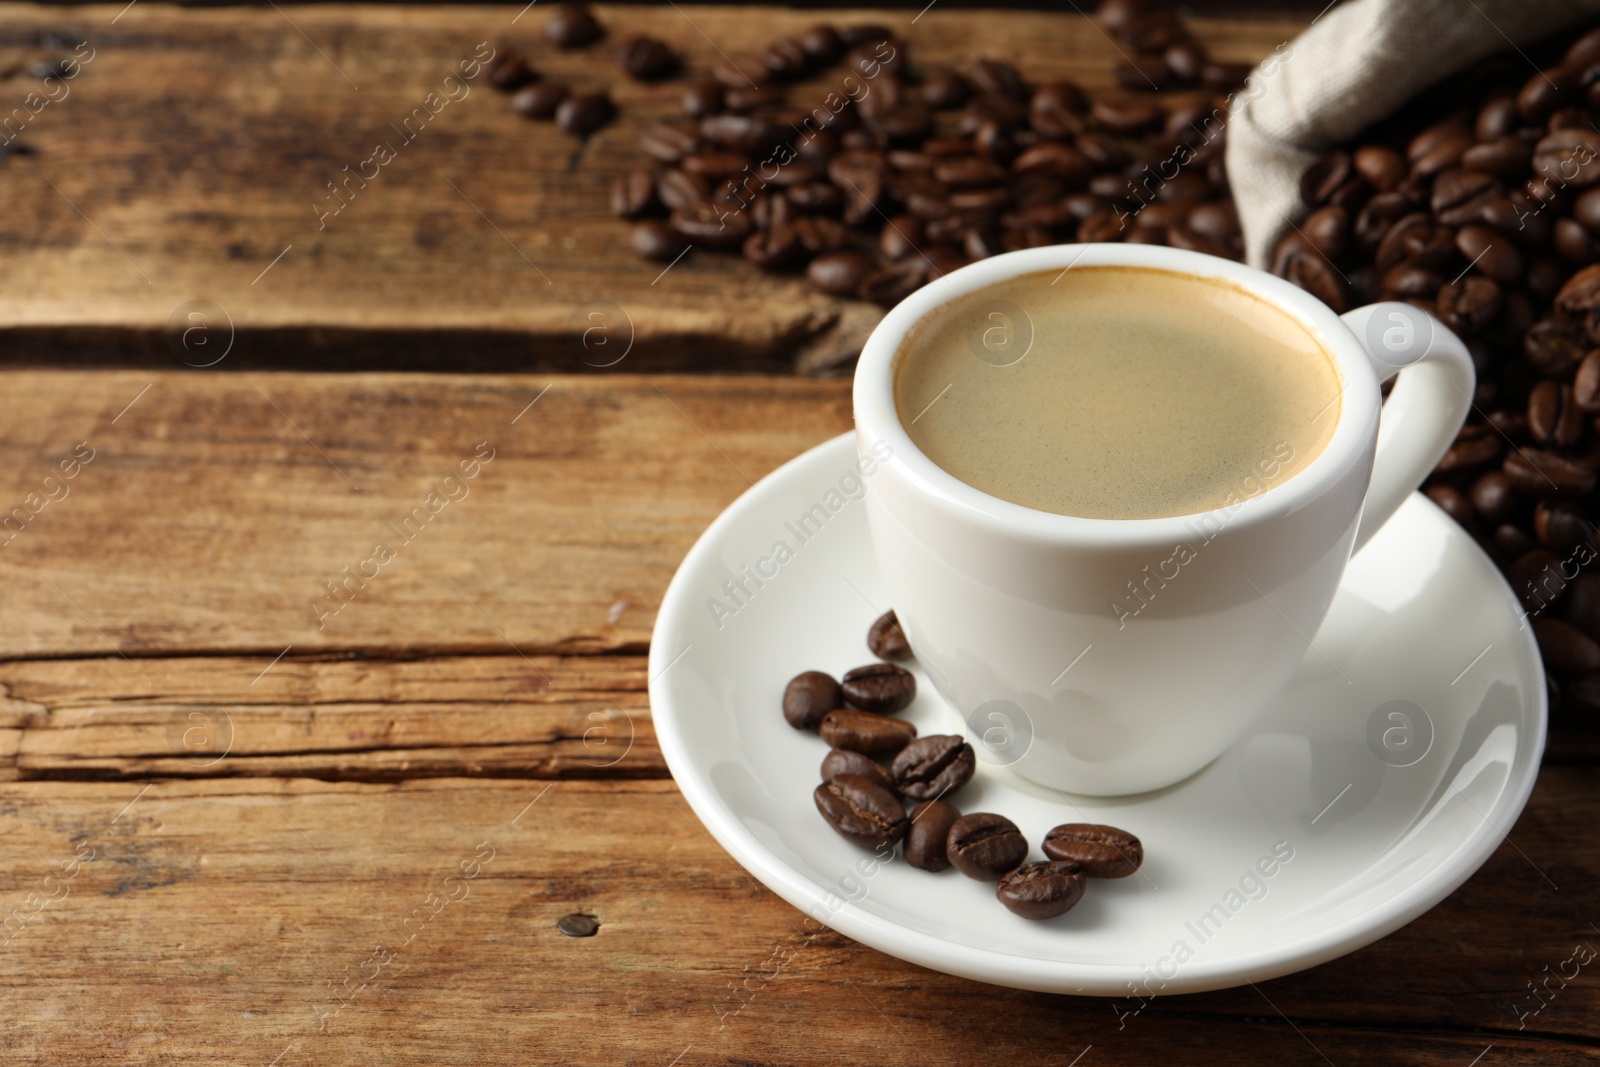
x=1425, y=408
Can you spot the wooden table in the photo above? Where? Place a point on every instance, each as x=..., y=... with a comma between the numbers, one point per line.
x=245, y=820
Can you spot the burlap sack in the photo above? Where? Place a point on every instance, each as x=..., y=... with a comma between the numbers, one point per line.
x=1354, y=65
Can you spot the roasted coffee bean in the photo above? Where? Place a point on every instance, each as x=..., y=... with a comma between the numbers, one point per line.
x=1546, y=91
x=583, y=113
x=1491, y=253
x=810, y=696
x=1512, y=541
x=997, y=78
x=572, y=26
x=944, y=90
x=842, y=761
x=1126, y=116
x=1569, y=157
x=1575, y=244
x=1326, y=228
x=668, y=142
x=1535, y=577
x=1323, y=177
x=540, y=100
x=1553, y=347
x=819, y=235
x=1553, y=417
x=1186, y=60
x=888, y=287
x=1383, y=168
x=861, y=812
x=872, y=735
x=710, y=226
x=703, y=98
x=874, y=59
x=647, y=59
x=1453, y=502
x=1469, y=452
x=1564, y=530
x=1458, y=195
x=1321, y=279
x=927, y=834
x=713, y=165
x=1507, y=158
x=774, y=248
x=657, y=241
x=1541, y=473
x=933, y=766
x=1042, y=890
x=879, y=687
x=814, y=197
x=886, y=639
x=1468, y=305
x=680, y=191
x=1492, y=496
x=1586, y=384
x=508, y=71
x=633, y=195
x=1102, y=851
x=1566, y=649
x=985, y=846
x=822, y=44
x=839, y=273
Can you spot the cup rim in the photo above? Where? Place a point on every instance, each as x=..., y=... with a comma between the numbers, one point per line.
x=876, y=417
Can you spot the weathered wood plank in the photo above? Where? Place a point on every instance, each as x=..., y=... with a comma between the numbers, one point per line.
x=497, y=716
x=198, y=144
x=216, y=918
x=229, y=513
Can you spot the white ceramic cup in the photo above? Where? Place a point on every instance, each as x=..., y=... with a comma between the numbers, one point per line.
x=1023, y=619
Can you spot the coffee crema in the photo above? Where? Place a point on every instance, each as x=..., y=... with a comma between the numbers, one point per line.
x=1116, y=392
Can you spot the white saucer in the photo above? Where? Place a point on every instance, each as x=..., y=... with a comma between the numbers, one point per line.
x=1383, y=820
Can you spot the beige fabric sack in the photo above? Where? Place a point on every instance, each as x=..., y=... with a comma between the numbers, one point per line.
x=1356, y=63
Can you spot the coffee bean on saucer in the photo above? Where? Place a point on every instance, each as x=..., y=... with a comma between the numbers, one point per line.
x=860, y=811
x=872, y=735
x=928, y=833
x=886, y=640
x=808, y=697
x=582, y=113
x=572, y=26
x=1102, y=851
x=882, y=688
x=984, y=845
x=508, y=71
x=933, y=766
x=842, y=761
x=647, y=58
x=1042, y=890
x=540, y=100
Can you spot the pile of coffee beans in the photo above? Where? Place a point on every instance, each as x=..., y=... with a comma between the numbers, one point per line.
x=878, y=174
x=1480, y=202
x=864, y=801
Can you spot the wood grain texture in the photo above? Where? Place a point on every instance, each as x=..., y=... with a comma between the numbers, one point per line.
x=191, y=150
x=216, y=918
x=217, y=509
x=331, y=718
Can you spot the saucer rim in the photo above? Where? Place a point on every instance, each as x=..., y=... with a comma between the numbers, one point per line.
x=997, y=966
